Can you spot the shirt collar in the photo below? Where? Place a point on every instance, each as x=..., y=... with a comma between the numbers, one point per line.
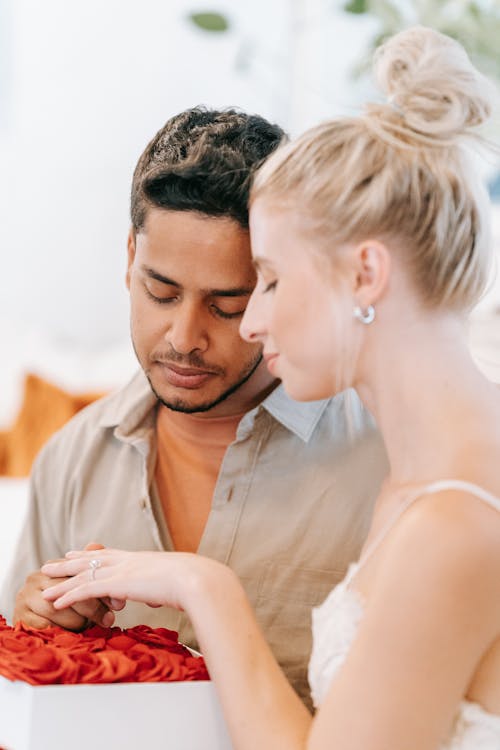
x=300, y=418
x=131, y=411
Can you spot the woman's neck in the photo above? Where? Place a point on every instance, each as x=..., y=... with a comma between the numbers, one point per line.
x=432, y=405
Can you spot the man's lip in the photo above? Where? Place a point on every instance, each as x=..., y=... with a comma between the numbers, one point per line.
x=268, y=357
x=187, y=377
x=186, y=371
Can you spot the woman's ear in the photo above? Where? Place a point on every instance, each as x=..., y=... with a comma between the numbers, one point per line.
x=130, y=254
x=372, y=266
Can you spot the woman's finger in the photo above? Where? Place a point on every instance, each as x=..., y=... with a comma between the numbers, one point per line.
x=76, y=589
x=53, y=592
x=64, y=568
x=87, y=554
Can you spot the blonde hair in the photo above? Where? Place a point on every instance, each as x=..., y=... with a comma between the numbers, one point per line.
x=401, y=170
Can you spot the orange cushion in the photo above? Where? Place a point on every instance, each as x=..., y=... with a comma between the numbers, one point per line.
x=44, y=410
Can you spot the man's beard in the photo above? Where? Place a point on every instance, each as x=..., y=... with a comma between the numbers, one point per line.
x=182, y=406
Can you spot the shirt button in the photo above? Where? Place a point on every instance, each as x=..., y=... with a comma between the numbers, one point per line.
x=144, y=503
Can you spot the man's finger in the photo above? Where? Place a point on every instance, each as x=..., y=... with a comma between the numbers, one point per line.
x=33, y=620
x=95, y=610
x=116, y=604
x=37, y=614
x=36, y=611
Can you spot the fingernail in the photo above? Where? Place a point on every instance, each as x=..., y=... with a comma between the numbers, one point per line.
x=108, y=619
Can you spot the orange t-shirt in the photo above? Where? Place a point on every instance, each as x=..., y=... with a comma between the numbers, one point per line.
x=190, y=452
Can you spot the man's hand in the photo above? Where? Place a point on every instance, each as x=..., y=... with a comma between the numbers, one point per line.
x=35, y=611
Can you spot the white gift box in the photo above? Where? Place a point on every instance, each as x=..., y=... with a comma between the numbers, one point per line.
x=123, y=716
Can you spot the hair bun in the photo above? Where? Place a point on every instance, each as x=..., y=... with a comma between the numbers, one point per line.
x=430, y=80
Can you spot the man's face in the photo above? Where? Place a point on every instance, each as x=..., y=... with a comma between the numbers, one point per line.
x=190, y=277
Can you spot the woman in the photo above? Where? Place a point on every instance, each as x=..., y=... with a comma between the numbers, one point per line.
x=370, y=240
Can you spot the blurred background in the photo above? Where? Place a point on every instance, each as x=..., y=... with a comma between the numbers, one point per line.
x=83, y=88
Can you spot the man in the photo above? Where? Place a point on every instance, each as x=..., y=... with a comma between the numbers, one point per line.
x=203, y=451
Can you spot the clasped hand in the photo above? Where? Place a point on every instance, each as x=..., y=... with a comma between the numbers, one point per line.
x=154, y=578
x=34, y=610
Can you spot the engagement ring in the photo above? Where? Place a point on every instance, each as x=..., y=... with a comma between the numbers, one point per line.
x=93, y=565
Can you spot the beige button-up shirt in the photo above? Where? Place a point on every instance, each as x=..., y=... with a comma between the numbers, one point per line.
x=290, y=510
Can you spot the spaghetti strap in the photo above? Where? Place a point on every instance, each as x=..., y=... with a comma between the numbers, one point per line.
x=472, y=489
x=429, y=489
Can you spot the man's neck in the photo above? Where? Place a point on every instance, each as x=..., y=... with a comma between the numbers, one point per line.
x=247, y=397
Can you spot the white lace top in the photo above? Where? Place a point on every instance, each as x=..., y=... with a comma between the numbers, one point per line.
x=335, y=623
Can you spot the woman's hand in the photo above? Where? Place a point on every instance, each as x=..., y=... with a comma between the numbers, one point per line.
x=155, y=578
x=260, y=706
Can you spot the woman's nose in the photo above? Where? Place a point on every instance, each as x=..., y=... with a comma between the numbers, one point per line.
x=252, y=328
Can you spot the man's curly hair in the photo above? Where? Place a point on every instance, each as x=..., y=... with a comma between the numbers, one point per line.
x=202, y=160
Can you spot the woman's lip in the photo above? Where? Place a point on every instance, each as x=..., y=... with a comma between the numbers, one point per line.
x=270, y=360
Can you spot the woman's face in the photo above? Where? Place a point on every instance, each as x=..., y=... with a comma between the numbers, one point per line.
x=295, y=310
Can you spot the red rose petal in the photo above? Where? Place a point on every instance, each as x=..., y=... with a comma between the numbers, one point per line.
x=97, y=655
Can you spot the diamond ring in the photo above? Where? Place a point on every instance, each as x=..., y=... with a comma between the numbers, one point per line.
x=93, y=565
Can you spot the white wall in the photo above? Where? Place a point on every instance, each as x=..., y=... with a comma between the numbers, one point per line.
x=90, y=83
x=85, y=85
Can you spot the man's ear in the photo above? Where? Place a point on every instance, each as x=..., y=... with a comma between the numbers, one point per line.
x=130, y=254
x=372, y=265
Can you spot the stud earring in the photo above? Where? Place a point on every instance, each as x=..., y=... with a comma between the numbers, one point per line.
x=364, y=316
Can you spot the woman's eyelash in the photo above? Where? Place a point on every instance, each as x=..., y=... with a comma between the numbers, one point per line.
x=269, y=287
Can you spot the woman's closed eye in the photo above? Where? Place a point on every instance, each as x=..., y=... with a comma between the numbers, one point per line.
x=270, y=286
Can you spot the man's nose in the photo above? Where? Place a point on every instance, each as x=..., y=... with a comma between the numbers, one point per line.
x=187, y=331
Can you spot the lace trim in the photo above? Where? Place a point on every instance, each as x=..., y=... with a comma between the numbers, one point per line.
x=474, y=728
x=335, y=623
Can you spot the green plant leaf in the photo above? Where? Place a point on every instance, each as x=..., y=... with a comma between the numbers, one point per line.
x=356, y=6
x=474, y=10
x=388, y=12
x=476, y=26
x=210, y=21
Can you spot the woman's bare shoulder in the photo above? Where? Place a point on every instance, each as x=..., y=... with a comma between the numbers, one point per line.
x=446, y=545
